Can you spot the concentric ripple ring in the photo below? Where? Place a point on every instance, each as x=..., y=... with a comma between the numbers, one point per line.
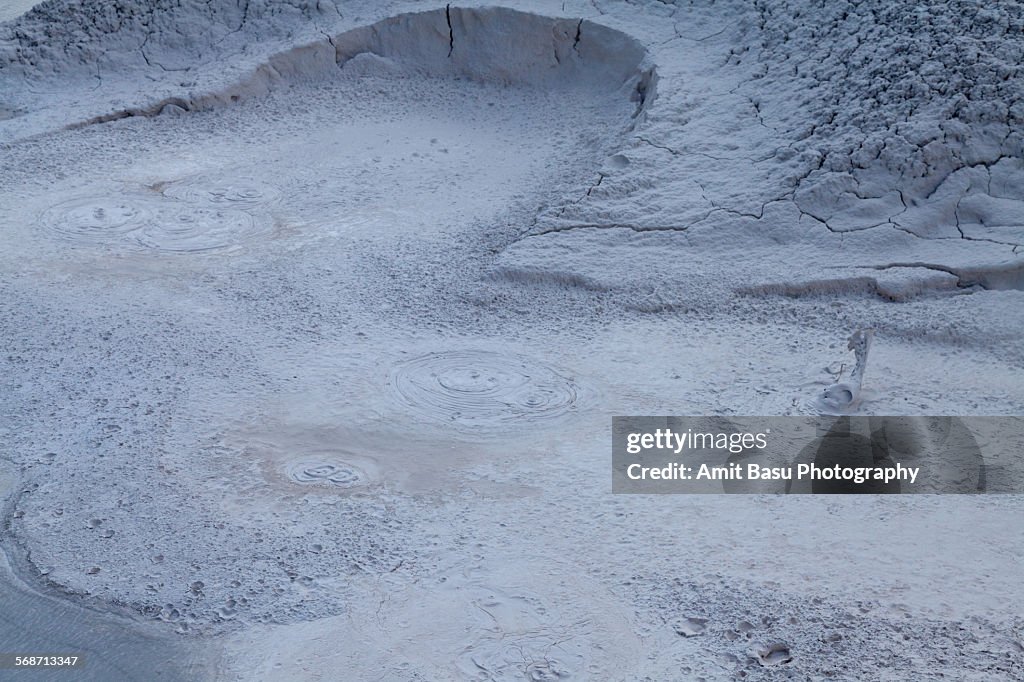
x=481, y=389
x=187, y=229
x=130, y=223
x=95, y=220
x=240, y=193
x=323, y=472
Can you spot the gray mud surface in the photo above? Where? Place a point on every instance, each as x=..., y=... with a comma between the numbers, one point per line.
x=314, y=316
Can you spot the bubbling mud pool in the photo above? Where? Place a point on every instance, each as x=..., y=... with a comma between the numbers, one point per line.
x=424, y=159
x=482, y=390
x=326, y=472
x=428, y=119
x=301, y=227
x=136, y=223
x=230, y=192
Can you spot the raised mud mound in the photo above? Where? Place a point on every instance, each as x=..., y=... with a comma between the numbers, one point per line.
x=490, y=44
x=499, y=44
x=917, y=112
x=493, y=44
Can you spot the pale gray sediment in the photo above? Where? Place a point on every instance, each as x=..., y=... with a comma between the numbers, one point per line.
x=37, y=621
x=314, y=315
